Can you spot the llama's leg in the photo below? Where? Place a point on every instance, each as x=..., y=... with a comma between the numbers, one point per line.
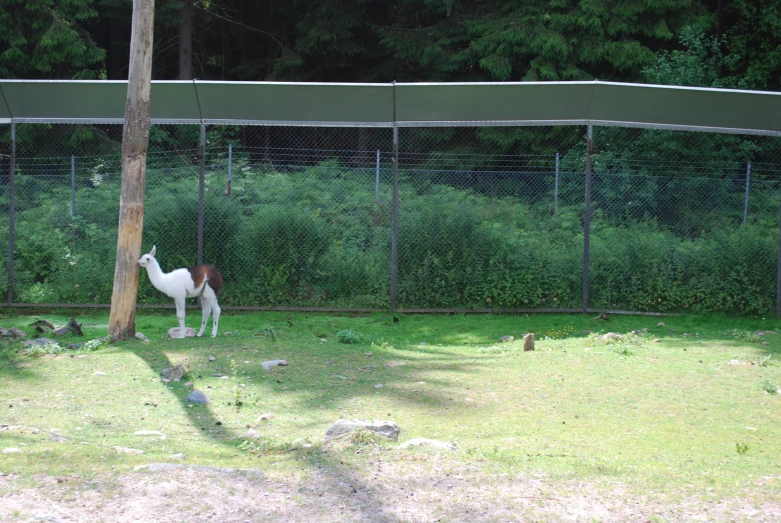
x=206, y=310
x=216, y=316
x=180, y=315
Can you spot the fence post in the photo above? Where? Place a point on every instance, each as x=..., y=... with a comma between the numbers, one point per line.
x=11, y=213
x=230, y=169
x=778, y=276
x=73, y=186
x=587, y=217
x=745, y=200
x=201, y=185
x=556, y=187
x=395, y=218
x=377, y=180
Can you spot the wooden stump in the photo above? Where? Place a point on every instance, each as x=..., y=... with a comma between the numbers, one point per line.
x=528, y=342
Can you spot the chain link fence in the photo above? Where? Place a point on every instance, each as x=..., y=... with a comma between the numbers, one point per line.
x=483, y=218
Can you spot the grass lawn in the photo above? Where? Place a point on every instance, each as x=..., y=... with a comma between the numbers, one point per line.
x=666, y=424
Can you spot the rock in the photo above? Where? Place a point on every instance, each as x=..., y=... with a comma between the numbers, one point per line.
x=150, y=433
x=212, y=358
x=176, y=456
x=300, y=443
x=19, y=428
x=423, y=343
x=50, y=519
x=386, y=429
x=13, y=332
x=189, y=332
x=378, y=386
x=273, y=363
x=265, y=417
x=175, y=373
x=127, y=450
x=98, y=373
x=141, y=337
x=196, y=396
x=425, y=441
x=54, y=436
x=507, y=338
x=11, y=450
x=39, y=342
x=660, y=324
x=610, y=336
x=655, y=340
x=736, y=362
x=251, y=433
x=528, y=342
x=188, y=384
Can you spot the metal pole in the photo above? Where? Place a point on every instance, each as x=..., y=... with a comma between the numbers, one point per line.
x=556, y=187
x=11, y=213
x=73, y=186
x=377, y=180
x=201, y=190
x=230, y=169
x=587, y=217
x=778, y=276
x=745, y=200
x=395, y=218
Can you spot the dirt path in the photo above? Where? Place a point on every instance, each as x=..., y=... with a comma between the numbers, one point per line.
x=387, y=492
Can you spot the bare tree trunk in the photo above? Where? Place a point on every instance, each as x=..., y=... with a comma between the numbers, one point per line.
x=186, y=41
x=135, y=142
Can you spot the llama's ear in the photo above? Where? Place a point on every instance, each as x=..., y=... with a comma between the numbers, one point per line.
x=152, y=252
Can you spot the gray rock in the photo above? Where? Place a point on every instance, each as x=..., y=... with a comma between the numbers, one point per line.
x=13, y=332
x=507, y=338
x=386, y=429
x=417, y=442
x=273, y=363
x=141, y=337
x=176, y=456
x=610, y=336
x=189, y=332
x=50, y=519
x=127, y=450
x=196, y=396
x=11, y=450
x=54, y=436
x=175, y=373
x=251, y=433
x=40, y=342
x=150, y=433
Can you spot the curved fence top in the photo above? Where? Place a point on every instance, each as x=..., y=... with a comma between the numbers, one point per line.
x=403, y=104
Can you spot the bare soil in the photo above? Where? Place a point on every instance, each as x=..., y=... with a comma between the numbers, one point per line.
x=386, y=491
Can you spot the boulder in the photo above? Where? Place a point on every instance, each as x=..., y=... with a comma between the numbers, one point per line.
x=196, y=396
x=386, y=429
x=174, y=333
x=175, y=373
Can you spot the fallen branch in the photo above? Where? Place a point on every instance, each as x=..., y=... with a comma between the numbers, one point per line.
x=72, y=327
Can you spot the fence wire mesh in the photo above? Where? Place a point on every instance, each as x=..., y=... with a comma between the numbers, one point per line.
x=489, y=218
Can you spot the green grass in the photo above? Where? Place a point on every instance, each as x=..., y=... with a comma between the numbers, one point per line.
x=687, y=413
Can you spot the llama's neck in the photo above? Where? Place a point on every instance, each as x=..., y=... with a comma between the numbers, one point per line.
x=156, y=275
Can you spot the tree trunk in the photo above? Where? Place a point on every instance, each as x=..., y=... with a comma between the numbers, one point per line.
x=135, y=142
x=186, y=41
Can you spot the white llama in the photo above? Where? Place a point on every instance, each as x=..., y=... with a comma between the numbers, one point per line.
x=203, y=281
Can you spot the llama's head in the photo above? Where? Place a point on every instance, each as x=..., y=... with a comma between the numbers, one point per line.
x=146, y=259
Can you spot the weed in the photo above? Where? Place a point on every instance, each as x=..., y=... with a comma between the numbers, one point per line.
x=742, y=448
x=496, y=349
x=263, y=447
x=36, y=351
x=269, y=331
x=348, y=336
x=747, y=336
x=769, y=387
x=767, y=361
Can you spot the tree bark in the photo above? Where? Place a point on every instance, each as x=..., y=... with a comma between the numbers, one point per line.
x=135, y=143
x=186, y=41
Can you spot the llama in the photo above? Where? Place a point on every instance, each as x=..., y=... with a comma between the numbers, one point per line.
x=203, y=281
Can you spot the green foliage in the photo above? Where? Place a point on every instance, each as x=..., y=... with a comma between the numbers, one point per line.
x=348, y=336
x=770, y=387
x=742, y=448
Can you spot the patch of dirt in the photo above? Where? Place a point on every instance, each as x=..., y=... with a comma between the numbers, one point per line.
x=388, y=491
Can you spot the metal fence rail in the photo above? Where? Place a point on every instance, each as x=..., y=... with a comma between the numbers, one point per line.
x=478, y=218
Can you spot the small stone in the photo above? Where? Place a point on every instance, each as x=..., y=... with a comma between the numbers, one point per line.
x=369, y=354
x=98, y=373
x=507, y=338
x=127, y=450
x=378, y=386
x=188, y=384
x=141, y=337
x=660, y=324
x=196, y=396
x=165, y=380
x=265, y=417
x=425, y=441
x=53, y=436
x=655, y=340
x=251, y=433
x=423, y=343
x=150, y=433
x=176, y=456
x=610, y=336
x=40, y=342
x=11, y=450
x=273, y=363
x=212, y=358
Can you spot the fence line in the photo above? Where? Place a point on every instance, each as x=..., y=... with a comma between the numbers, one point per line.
x=429, y=266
